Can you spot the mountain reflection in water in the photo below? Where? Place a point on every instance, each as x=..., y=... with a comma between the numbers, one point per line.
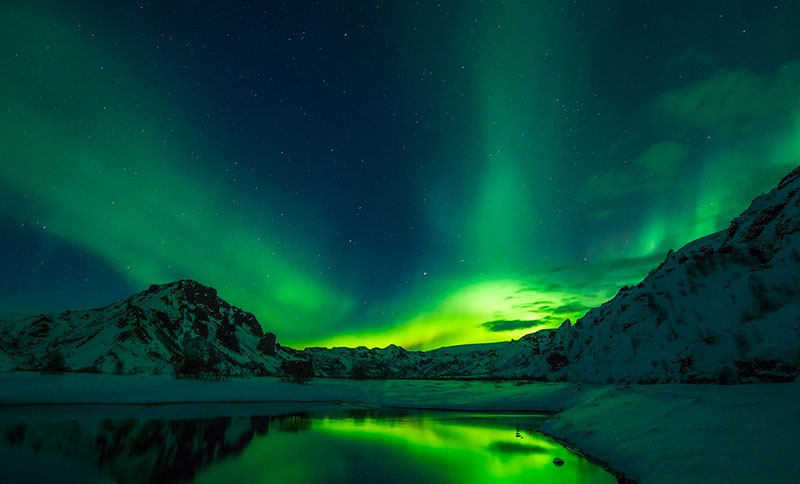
x=340, y=446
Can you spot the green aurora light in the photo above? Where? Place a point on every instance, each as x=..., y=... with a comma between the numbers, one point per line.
x=549, y=186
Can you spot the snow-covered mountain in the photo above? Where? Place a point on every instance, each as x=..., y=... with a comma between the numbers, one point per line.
x=180, y=328
x=490, y=360
x=724, y=308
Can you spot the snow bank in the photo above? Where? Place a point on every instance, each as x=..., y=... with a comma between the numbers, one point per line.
x=666, y=434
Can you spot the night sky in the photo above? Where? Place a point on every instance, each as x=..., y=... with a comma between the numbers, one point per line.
x=418, y=173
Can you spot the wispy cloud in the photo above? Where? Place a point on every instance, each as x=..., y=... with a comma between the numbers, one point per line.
x=731, y=97
x=511, y=325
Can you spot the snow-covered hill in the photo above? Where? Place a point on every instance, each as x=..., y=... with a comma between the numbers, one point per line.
x=180, y=328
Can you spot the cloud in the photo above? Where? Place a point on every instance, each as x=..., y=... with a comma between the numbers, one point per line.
x=571, y=308
x=731, y=97
x=511, y=325
x=648, y=172
x=662, y=157
x=606, y=276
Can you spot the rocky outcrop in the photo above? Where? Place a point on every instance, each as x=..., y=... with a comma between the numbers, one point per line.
x=267, y=344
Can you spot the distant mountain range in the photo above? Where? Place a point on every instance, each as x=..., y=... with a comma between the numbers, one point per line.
x=724, y=309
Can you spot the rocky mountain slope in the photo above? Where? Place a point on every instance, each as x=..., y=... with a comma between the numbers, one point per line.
x=180, y=328
x=724, y=308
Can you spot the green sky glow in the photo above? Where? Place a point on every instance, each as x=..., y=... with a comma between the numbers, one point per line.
x=116, y=185
x=488, y=172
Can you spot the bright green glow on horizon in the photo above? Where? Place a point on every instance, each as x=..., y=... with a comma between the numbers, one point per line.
x=450, y=449
x=457, y=316
x=456, y=312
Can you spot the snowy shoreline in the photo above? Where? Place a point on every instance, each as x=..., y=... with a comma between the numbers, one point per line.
x=648, y=433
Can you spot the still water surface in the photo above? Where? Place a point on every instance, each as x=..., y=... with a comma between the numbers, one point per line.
x=330, y=446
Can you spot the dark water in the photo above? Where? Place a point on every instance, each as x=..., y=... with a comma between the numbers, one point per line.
x=333, y=445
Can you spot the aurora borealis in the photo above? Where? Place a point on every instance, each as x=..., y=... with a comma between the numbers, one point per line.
x=417, y=173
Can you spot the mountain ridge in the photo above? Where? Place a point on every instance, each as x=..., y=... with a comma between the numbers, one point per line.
x=724, y=308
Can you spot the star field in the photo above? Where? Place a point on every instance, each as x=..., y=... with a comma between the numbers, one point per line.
x=418, y=173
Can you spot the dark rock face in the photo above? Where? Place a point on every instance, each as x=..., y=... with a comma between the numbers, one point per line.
x=297, y=371
x=226, y=334
x=557, y=361
x=165, y=320
x=766, y=370
x=242, y=318
x=267, y=344
x=202, y=296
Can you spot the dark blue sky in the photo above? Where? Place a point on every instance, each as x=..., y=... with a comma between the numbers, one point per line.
x=382, y=172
